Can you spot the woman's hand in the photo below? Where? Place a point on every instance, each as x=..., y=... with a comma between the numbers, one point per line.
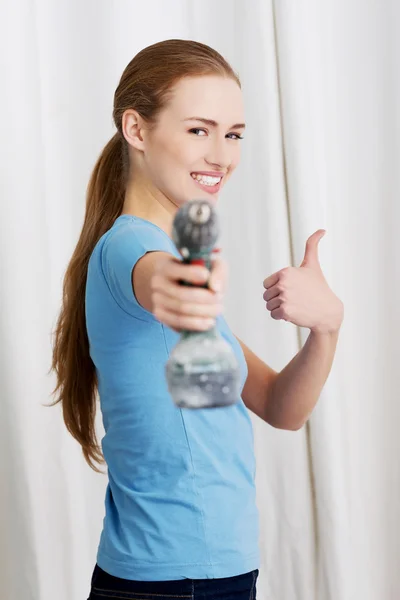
x=302, y=296
x=183, y=307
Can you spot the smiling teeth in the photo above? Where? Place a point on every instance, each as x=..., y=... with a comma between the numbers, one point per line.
x=206, y=179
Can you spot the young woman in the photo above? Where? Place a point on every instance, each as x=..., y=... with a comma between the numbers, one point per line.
x=181, y=518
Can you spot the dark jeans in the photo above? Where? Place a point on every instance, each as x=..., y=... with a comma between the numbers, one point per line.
x=239, y=587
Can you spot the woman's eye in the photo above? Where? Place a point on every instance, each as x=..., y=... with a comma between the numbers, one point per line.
x=196, y=129
x=202, y=132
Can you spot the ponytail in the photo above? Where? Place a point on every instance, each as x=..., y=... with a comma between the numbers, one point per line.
x=76, y=385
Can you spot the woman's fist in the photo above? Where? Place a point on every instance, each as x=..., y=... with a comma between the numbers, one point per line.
x=184, y=307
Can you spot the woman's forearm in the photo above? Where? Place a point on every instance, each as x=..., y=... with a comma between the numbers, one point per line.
x=297, y=387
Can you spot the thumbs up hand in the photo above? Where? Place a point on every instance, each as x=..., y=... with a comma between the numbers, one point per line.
x=302, y=296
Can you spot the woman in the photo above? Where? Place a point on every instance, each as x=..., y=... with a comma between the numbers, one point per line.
x=181, y=517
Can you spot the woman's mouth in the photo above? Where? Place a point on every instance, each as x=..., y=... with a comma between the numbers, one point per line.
x=208, y=183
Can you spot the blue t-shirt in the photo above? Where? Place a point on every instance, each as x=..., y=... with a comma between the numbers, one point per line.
x=180, y=500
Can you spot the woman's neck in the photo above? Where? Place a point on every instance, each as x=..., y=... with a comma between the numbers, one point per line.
x=146, y=202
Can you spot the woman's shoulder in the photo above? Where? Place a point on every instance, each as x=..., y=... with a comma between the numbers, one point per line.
x=129, y=230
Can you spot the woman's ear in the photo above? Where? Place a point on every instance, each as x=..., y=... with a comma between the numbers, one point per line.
x=132, y=128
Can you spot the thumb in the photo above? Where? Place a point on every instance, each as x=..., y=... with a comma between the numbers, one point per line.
x=311, y=258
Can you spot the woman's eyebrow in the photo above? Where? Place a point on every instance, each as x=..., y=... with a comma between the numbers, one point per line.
x=213, y=123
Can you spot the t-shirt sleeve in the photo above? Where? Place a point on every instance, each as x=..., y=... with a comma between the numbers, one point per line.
x=121, y=251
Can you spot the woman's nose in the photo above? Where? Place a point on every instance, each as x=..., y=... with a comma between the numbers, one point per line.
x=219, y=154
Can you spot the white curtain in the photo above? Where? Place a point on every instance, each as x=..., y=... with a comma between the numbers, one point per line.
x=321, y=82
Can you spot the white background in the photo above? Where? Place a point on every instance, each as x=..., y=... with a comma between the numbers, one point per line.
x=321, y=83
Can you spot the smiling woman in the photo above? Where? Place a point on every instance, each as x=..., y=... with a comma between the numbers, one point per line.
x=163, y=156
x=181, y=512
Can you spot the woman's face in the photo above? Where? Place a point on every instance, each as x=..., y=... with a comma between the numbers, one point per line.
x=195, y=145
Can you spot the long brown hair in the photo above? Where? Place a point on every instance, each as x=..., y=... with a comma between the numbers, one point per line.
x=144, y=86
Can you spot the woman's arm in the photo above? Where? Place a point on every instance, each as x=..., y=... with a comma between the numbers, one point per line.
x=303, y=297
x=258, y=386
x=286, y=399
